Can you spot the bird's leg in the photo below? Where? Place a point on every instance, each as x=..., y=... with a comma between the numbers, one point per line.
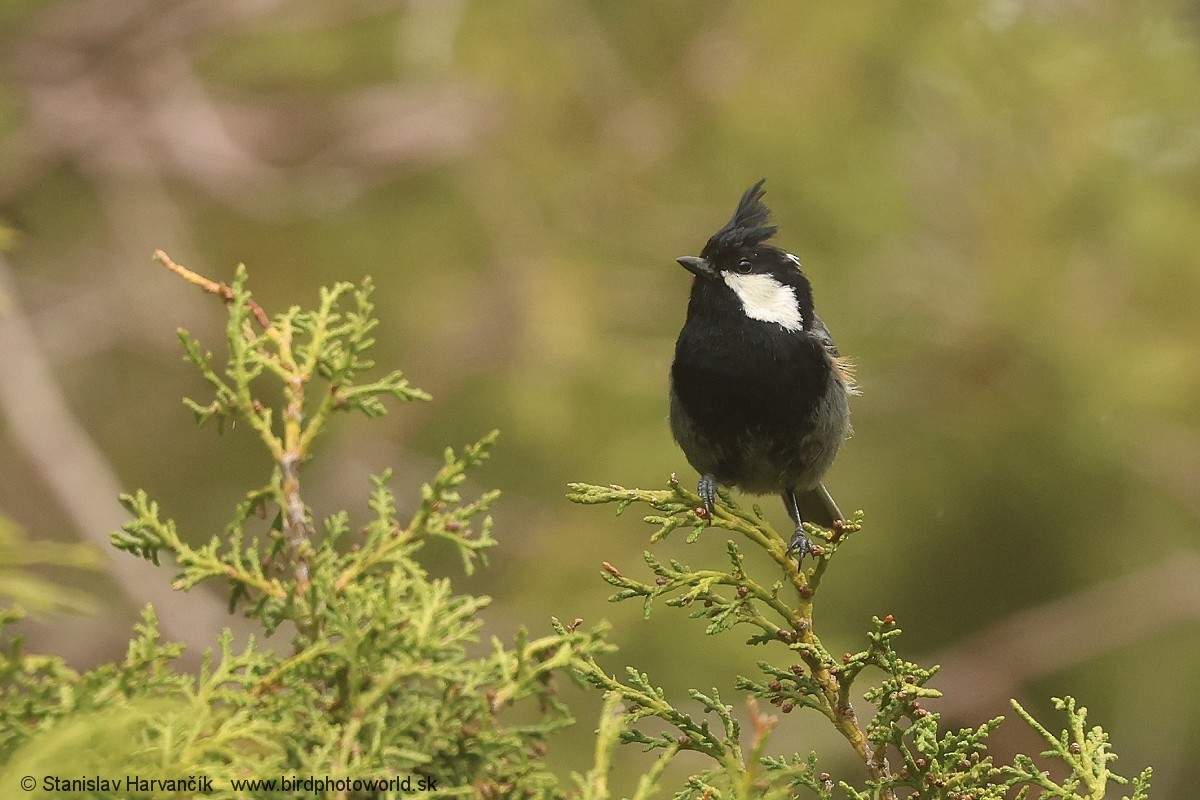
x=708, y=492
x=800, y=543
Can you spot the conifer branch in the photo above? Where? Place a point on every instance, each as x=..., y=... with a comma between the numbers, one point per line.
x=930, y=762
x=316, y=356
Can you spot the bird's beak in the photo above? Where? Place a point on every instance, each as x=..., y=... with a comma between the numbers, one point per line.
x=697, y=266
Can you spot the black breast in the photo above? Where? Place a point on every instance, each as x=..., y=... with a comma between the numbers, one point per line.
x=745, y=396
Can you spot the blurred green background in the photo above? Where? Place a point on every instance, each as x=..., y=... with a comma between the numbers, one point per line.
x=998, y=204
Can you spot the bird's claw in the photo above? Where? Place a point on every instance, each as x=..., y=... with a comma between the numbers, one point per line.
x=708, y=492
x=800, y=544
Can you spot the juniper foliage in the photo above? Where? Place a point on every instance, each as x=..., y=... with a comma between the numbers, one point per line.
x=905, y=750
x=383, y=675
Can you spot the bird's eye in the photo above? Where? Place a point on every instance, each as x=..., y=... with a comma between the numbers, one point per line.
x=744, y=266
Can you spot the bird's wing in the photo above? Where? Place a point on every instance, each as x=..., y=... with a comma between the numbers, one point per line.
x=819, y=332
x=843, y=366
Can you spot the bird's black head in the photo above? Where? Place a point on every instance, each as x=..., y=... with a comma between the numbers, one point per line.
x=737, y=261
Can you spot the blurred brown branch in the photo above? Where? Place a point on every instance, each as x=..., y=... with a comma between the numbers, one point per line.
x=116, y=89
x=980, y=674
x=81, y=480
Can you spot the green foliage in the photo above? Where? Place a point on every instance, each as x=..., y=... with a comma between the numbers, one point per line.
x=384, y=676
x=1085, y=752
x=903, y=747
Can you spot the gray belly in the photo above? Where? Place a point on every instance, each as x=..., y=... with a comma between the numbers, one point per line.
x=767, y=459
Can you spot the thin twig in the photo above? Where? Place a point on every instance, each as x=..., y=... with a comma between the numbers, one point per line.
x=221, y=290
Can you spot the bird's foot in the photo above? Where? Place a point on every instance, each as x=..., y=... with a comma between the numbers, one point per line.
x=708, y=492
x=800, y=544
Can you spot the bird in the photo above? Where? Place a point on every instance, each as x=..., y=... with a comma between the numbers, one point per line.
x=759, y=395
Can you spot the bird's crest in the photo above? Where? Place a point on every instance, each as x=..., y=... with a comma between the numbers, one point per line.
x=749, y=226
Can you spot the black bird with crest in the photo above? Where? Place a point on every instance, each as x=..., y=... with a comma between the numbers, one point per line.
x=759, y=393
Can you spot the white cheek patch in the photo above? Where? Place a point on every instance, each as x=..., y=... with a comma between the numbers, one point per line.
x=764, y=298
